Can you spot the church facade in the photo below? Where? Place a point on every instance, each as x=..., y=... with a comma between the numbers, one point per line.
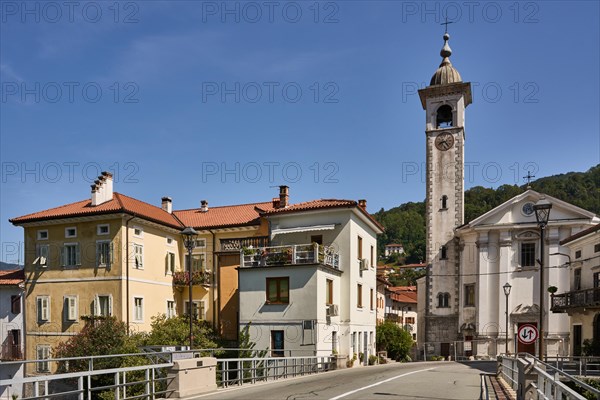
x=461, y=301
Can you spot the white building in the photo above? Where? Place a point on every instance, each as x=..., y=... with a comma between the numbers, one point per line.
x=500, y=247
x=464, y=304
x=11, y=328
x=313, y=291
x=393, y=248
x=580, y=299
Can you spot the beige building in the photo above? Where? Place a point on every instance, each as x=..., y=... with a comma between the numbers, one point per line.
x=581, y=300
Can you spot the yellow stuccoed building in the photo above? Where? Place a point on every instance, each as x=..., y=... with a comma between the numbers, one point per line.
x=115, y=255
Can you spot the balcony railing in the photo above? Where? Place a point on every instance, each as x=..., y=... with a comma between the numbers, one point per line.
x=290, y=255
x=181, y=278
x=239, y=244
x=11, y=352
x=392, y=317
x=580, y=298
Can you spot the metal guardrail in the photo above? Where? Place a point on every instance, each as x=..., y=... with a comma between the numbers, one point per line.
x=549, y=382
x=581, y=366
x=239, y=371
x=72, y=380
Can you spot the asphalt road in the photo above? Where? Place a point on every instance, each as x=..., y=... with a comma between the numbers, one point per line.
x=421, y=381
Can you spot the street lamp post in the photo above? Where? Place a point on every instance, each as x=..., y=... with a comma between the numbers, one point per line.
x=542, y=215
x=189, y=242
x=506, y=288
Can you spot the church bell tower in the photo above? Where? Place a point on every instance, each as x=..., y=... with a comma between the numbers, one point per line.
x=444, y=102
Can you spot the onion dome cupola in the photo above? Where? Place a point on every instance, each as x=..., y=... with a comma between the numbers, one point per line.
x=446, y=73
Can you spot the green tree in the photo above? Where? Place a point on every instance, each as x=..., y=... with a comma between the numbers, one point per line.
x=393, y=339
x=407, y=276
x=100, y=337
x=176, y=331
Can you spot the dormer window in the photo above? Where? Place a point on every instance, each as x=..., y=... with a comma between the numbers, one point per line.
x=444, y=117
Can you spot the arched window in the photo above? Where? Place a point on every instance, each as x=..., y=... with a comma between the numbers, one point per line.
x=444, y=117
x=443, y=300
x=444, y=253
x=444, y=202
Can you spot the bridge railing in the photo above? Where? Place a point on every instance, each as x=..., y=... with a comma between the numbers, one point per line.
x=526, y=373
x=85, y=377
x=239, y=371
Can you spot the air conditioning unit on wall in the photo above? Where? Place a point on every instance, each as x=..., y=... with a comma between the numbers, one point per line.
x=364, y=264
x=333, y=310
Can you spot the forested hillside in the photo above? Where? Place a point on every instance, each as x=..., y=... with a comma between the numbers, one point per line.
x=406, y=223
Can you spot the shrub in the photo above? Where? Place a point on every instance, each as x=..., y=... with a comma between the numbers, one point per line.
x=372, y=359
x=393, y=339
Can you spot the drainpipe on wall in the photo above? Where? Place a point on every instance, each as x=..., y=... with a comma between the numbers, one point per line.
x=127, y=268
x=214, y=280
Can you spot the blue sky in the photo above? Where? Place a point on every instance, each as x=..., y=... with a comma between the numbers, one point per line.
x=224, y=100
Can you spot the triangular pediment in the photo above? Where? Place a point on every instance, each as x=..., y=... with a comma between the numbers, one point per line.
x=518, y=211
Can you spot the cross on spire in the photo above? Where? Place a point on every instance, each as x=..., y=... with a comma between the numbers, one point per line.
x=447, y=23
x=528, y=177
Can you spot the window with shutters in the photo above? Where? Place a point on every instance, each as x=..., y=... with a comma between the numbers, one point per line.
x=138, y=309
x=198, y=262
x=138, y=254
x=41, y=255
x=43, y=309
x=103, y=305
x=71, y=255
x=70, y=308
x=371, y=301
x=171, y=312
x=577, y=279
x=42, y=353
x=104, y=254
x=170, y=260
x=198, y=309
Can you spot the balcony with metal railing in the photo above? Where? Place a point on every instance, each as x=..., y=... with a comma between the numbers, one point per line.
x=182, y=278
x=297, y=254
x=241, y=243
x=575, y=299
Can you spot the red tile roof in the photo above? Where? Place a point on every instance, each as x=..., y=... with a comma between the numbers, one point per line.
x=404, y=297
x=119, y=203
x=217, y=217
x=403, y=288
x=323, y=204
x=421, y=265
x=12, y=276
x=393, y=245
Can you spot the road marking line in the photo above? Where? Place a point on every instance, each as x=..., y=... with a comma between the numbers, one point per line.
x=378, y=383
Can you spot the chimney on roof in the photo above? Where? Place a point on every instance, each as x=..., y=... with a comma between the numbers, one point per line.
x=275, y=202
x=284, y=196
x=204, y=206
x=166, y=204
x=362, y=204
x=102, y=189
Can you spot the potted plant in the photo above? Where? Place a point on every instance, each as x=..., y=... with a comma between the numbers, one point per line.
x=552, y=289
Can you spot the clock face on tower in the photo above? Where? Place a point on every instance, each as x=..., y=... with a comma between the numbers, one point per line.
x=444, y=141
